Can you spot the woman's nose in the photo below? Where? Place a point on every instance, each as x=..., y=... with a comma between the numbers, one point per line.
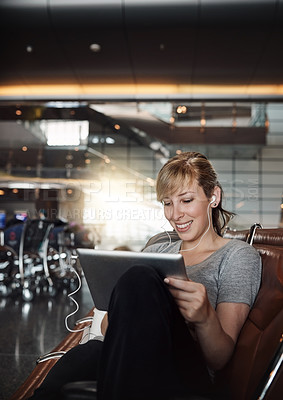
x=177, y=213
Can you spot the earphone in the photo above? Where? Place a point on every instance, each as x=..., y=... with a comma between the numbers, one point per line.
x=213, y=199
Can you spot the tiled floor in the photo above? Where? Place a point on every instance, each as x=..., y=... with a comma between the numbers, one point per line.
x=30, y=329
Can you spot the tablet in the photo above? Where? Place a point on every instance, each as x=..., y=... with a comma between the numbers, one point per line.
x=103, y=268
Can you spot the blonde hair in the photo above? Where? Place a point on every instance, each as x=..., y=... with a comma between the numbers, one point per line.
x=181, y=171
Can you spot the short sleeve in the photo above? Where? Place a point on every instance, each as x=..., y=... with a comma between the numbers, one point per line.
x=166, y=247
x=240, y=276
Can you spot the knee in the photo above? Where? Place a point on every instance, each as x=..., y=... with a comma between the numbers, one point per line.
x=140, y=289
x=137, y=283
x=139, y=277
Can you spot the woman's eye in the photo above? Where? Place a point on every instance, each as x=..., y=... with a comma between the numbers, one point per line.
x=187, y=200
x=166, y=203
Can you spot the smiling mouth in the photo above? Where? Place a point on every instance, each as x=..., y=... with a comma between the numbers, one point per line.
x=184, y=226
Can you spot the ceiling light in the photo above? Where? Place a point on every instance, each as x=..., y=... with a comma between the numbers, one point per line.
x=65, y=104
x=181, y=110
x=164, y=151
x=203, y=122
x=163, y=160
x=24, y=148
x=95, y=140
x=95, y=47
x=117, y=127
x=110, y=140
x=155, y=145
x=65, y=133
x=138, y=131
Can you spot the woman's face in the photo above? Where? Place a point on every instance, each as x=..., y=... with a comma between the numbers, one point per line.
x=186, y=210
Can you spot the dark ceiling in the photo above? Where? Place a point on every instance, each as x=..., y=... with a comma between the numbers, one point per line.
x=131, y=50
x=193, y=42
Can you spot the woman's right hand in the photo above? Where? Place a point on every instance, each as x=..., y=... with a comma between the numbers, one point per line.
x=191, y=298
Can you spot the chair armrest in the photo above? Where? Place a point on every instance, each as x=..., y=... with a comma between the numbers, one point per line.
x=50, y=356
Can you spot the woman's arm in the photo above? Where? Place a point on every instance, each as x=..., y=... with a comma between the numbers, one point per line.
x=218, y=336
x=216, y=331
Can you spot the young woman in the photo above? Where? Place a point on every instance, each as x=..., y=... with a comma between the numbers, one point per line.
x=165, y=339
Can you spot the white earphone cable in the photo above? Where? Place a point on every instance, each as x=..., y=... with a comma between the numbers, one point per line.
x=209, y=224
x=167, y=233
x=70, y=295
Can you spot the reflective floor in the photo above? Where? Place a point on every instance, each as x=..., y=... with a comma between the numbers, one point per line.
x=30, y=329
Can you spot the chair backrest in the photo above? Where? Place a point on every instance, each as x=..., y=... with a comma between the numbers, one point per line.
x=35, y=234
x=261, y=333
x=12, y=236
x=272, y=236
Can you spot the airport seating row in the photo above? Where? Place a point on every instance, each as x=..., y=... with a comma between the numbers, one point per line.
x=38, y=256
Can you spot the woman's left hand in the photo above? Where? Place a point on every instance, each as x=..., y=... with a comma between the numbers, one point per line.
x=191, y=298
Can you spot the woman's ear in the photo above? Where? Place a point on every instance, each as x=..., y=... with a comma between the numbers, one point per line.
x=216, y=196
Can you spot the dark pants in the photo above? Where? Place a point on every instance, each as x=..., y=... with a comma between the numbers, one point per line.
x=148, y=352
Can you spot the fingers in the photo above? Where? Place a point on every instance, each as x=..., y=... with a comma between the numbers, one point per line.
x=190, y=297
x=187, y=285
x=180, y=294
x=187, y=291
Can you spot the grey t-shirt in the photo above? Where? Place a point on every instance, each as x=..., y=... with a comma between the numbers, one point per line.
x=232, y=274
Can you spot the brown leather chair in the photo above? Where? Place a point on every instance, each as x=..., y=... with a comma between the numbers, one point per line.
x=271, y=236
x=259, y=346
x=261, y=336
